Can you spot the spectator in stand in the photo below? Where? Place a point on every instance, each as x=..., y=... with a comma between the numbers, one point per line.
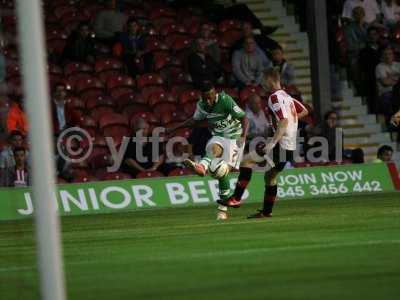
x=384, y=154
x=133, y=44
x=258, y=122
x=108, y=23
x=391, y=12
x=285, y=68
x=17, y=175
x=387, y=76
x=264, y=44
x=16, y=118
x=15, y=140
x=328, y=130
x=247, y=64
x=356, y=39
x=79, y=46
x=370, y=57
x=211, y=44
x=63, y=117
x=139, y=155
x=202, y=66
x=371, y=10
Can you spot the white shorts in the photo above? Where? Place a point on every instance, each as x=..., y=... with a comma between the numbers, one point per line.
x=232, y=154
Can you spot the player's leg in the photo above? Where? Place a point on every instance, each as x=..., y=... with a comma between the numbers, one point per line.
x=245, y=173
x=214, y=148
x=270, y=179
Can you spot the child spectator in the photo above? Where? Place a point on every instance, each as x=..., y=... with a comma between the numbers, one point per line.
x=384, y=154
x=18, y=175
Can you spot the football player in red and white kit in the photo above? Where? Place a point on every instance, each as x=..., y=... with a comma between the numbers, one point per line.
x=285, y=113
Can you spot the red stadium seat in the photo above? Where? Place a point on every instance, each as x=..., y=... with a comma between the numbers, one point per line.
x=116, y=176
x=117, y=133
x=149, y=90
x=118, y=81
x=226, y=25
x=153, y=44
x=189, y=96
x=75, y=67
x=100, y=158
x=180, y=172
x=96, y=101
x=183, y=132
x=75, y=103
x=147, y=116
x=181, y=43
x=190, y=108
x=133, y=108
x=160, y=98
x=149, y=174
x=88, y=122
x=149, y=79
x=107, y=64
x=56, y=34
x=172, y=28
x=99, y=111
x=113, y=119
x=56, y=46
x=86, y=84
x=83, y=179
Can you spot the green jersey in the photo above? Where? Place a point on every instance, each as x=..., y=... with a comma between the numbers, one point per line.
x=224, y=116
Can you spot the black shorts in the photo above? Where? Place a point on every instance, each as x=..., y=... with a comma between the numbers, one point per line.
x=279, y=156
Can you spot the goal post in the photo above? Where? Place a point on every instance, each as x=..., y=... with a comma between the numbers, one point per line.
x=30, y=21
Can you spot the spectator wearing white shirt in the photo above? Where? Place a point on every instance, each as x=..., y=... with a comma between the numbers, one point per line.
x=391, y=12
x=258, y=122
x=387, y=76
x=371, y=8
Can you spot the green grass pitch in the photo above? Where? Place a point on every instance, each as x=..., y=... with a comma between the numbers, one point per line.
x=341, y=248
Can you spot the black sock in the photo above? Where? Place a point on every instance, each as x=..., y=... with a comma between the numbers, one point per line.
x=243, y=181
x=269, y=198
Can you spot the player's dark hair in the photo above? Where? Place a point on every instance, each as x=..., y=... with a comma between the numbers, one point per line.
x=272, y=73
x=206, y=86
x=383, y=149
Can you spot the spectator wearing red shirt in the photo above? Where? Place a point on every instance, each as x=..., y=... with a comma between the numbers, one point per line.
x=16, y=118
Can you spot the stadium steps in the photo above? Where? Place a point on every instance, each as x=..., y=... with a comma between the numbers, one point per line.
x=360, y=129
x=295, y=43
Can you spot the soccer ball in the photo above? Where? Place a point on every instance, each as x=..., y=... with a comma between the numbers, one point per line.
x=218, y=168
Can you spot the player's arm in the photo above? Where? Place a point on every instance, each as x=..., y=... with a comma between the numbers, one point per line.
x=198, y=116
x=280, y=131
x=301, y=110
x=188, y=123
